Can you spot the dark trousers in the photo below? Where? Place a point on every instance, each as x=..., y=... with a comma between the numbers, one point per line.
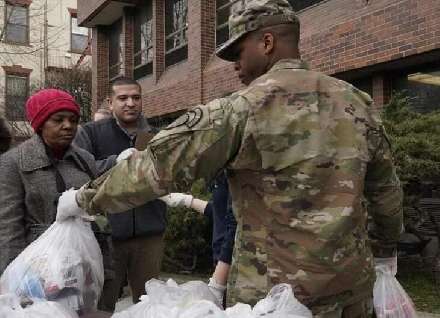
x=138, y=259
x=361, y=309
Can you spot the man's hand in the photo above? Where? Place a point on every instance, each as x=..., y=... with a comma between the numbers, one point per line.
x=217, y=290
x=125, y=154
x=177, y=199
x=68, y=206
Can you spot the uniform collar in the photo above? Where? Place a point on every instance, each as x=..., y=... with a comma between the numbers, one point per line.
x=289, y=64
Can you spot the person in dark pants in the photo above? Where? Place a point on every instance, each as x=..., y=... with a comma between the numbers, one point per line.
x=138, y=234
x=219, y=211
x=5, y=136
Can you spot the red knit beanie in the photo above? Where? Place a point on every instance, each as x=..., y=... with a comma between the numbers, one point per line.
x=44, y=103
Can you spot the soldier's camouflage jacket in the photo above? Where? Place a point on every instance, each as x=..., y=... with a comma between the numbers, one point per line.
x=307, y=160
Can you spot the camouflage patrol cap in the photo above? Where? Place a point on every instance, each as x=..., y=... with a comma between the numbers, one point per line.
x=250, y=15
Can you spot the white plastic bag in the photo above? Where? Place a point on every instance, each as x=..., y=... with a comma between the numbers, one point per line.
x=203, y=309
x=173, y=295
x=281, y=303
x=64, y=265
x=390, y=299
x=194, y=300
x=10, y=308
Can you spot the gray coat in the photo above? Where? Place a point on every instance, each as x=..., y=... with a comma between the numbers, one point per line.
x=28, y=191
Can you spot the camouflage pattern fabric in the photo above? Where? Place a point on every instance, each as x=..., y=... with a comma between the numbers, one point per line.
x=250, y=15
x=307, y=160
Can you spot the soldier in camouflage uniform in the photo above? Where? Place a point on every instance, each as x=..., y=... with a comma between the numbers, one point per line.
x=307, y=161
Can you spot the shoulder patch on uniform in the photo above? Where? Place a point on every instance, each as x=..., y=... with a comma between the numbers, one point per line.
x=195, y=115
x=190, y=119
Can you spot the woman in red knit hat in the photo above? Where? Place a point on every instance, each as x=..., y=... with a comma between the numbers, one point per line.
x=33, y=174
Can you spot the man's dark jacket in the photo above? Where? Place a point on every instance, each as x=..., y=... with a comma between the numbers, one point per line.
x=219, y=211
x=105, y=139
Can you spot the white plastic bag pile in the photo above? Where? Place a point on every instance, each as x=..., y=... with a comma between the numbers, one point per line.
x=194, y=300
x=63, y=265
x=390, y=299
x=10, y=308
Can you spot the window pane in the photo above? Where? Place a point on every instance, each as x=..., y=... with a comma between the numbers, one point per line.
x=223, y=15
x=79, y=42
x=176, y=23
x=221, y=3
x=301, y=4
x=176, y=56
x=223, y=11
x=16, y=33
x=143, y=35
x=143, y=57
x=16, y=95
x=222, y=35
x=77, y=29
x=16, y=28
x=115, y=49
x=423, y=88
x=17, y=15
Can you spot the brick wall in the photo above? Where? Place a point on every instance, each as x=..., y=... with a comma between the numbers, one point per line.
x=338, y=36
x=178, y=86
x=99, y=67
x=128, y=34
x=341, y=35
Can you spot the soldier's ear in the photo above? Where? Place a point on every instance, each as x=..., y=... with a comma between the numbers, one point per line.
x=268, y=42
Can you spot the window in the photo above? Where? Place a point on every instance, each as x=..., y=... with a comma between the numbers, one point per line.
x=143, y=41
x=17, y=24
x=16, y=96
x=422, y=87
x=223, y=8
x=302, y=4
x=115, y=50
x=176, y=26
x=79, y=38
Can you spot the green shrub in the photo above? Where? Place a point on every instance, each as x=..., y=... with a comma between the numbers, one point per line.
x=415, y=140
x=188, y=238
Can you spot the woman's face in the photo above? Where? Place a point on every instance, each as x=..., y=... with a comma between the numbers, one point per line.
x=60, y=129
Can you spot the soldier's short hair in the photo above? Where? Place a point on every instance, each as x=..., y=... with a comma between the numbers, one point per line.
x=290, y=32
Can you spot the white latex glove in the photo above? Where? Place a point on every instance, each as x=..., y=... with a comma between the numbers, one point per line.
x=217, y=290
x=125, y=154
x=68, y=206
x=177, y=199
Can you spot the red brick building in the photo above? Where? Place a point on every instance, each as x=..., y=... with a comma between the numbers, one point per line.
x=168, y=45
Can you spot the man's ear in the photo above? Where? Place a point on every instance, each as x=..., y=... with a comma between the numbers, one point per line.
x=268, y=42
x=110, y=104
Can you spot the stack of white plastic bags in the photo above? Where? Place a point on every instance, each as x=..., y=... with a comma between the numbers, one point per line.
x=61, y=269
x=194, y=300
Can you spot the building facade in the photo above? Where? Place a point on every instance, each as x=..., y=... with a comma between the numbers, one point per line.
x=168, y=46
x=37, y=37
